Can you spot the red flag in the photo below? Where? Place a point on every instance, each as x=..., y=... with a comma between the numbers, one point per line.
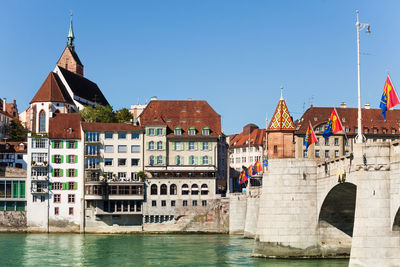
x=392, y=98
x=310, y=136
x=258, y=167
x=336, y=124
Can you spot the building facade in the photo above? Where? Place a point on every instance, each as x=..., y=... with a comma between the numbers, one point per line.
x=13, y=154
x=114, y=185
x=181, y=158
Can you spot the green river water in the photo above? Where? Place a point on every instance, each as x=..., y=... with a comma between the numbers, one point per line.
x=137, y=250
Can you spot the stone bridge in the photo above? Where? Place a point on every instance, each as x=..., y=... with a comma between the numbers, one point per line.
x=348, y=206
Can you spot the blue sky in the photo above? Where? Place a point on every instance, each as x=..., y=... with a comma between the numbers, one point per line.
x=234, y=54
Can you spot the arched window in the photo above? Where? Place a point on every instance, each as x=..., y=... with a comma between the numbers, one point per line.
x=185, y=189
x=159, y=145
x=159, y=160
x=153, y=189
x=195, y=189
x=42, y=121
x=151, y=145
x=204, y=189
x=173, y=189
x=179, y=160
x=151, y=160
x=163, y=189
x=205, y=160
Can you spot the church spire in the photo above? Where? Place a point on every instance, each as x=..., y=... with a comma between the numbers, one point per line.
x=71, y=37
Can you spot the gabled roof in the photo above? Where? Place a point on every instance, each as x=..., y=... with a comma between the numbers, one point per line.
x=52, y=90
x=83, y=87
x=109, y=126
x=371, y=119
x=65, y=126
x=281, y=119
x=256, y=138
x=184, y=114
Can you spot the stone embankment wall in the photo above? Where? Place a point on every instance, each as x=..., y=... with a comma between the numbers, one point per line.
x=12, y=221
x=214, y=219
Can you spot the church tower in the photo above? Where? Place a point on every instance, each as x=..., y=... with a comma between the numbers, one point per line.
x=69, y=59
x=280, y=132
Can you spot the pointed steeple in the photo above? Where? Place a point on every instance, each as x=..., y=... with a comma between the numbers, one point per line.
x=281, y=120
x=71, y=37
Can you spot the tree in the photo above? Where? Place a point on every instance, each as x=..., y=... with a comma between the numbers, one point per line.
x=15, y=131
x=98, y=114
x=123, y=115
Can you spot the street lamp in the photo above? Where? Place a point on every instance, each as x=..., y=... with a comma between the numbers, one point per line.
x=360, y=138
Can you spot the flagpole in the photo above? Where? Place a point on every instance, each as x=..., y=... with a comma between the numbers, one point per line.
x=360, y=138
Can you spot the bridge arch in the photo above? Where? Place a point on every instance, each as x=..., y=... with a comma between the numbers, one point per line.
x=396, y=222
x=338, y=208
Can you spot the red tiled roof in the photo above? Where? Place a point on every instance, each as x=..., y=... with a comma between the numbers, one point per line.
x=65, y=126
x=13, y=147
x=371, y=118
x=184, y=114
x=52, y=90
x=105, y=126
x=257, y=138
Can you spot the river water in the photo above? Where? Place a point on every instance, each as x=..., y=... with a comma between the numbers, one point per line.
x=137, y=250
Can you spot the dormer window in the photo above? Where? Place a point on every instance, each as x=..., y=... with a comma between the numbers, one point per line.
x=192, y=131
x=178, y=131
x=205, y=131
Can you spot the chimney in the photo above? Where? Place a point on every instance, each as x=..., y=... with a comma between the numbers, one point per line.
x=153, y=98
x=343, y=105
x=367, y=106
x=4, y=104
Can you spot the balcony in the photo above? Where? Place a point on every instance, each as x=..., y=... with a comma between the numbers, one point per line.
x=39, y=191
x=42, y=164
x=92, y=154
x=39, y=178
x=92, y=141
x=92, y=167
x=102, y=179
x=100, y=212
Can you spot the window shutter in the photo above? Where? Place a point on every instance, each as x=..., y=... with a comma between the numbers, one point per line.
x=173, y=145
x=67, y=144
x=165, y=160
x=76, y=172
x=147, y=145
x=63, y=186
x=164, y=145
x=210, y=161
x=201, y=160
x=67, y=186
x=201, y=145
x=52, y=172
x=210, y=146
x=176, y=160
x=76, y=185
x=52, y=159
x=196, y=145
x=164, y=131
x=52, y=144
x=76, y=144
x=187, y=145
x=62, y=158
x=76, y=158
x=61, y=144
x=147, y=131
x=61, y=172
x=67, y=159
x=196, y=160
x=50, y=186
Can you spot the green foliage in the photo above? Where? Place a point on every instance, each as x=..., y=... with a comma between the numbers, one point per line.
x=123, y=115
x=141, y=174
x=15, y=131
x=98, y=114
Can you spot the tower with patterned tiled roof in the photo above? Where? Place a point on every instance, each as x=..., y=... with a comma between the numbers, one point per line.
x=280, y=132
x=69, y=59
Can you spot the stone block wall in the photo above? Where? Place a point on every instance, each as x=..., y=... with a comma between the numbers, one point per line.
x=253, y=200
x=237, y=213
